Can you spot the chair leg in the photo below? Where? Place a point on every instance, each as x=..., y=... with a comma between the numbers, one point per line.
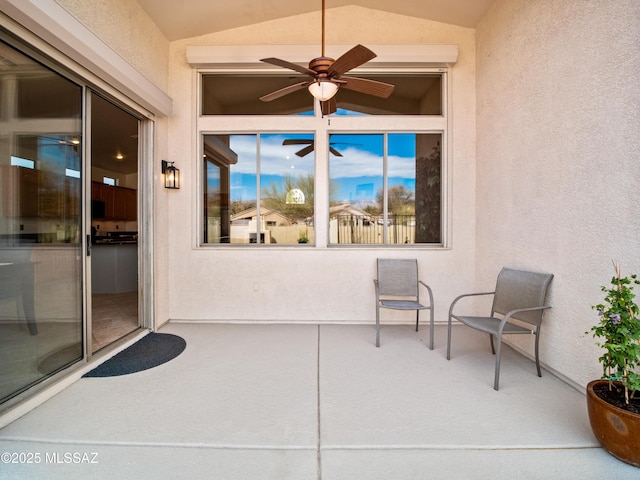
x=493, y=350
x=537, y=355
x=496, y=379
x=377, y=325
x=448, y=339
x=417, y=318
x=431, y=328
x=26, y=310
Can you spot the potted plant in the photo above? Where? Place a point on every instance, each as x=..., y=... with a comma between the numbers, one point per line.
x=613, y=401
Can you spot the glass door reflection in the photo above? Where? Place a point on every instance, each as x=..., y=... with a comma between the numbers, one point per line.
x=41, y=329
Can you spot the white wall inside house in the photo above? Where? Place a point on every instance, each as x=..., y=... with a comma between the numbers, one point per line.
x=313, y=284
x=558, y=158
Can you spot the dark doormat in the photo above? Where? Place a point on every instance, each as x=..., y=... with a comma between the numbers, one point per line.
x=150, y=351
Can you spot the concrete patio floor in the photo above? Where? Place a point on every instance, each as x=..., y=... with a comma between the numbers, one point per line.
x=314, y=402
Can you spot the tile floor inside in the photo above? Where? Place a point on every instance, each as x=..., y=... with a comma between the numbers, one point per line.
x=114, y=316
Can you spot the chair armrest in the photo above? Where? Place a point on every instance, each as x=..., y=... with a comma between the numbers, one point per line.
x=428, y=291
x=513, y=312
x=375, y=283
x=460, y=297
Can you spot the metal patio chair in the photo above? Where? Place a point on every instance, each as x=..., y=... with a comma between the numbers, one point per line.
x=397, y=288
x=519, y=300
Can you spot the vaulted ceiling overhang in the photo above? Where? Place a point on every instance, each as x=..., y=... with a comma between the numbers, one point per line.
x=59, y=28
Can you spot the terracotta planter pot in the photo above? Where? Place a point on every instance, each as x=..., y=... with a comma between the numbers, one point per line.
x=617, y=430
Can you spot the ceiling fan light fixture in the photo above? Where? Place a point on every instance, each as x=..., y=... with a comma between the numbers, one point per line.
x=323, y=90
x=326, y=74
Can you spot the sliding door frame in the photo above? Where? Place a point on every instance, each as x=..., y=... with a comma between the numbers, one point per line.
x=21, y=39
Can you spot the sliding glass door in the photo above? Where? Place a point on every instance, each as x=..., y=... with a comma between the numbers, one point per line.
x=114, y=155
x=41, y=232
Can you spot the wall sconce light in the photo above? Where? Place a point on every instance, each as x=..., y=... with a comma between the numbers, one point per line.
x=171, y=175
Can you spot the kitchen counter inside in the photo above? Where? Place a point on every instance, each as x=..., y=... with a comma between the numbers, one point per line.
x=108, y=241
x=114, y=268
x=117, y=237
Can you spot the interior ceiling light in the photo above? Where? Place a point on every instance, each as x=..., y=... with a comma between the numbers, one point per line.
x=119, y=156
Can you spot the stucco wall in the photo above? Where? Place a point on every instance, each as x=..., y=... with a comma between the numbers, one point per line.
x=126, y=28
x=558, y=157
x=313, y=284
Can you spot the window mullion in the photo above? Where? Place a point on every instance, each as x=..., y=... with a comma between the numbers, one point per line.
x=322, y=200
x=385, y=189
x=258, y=196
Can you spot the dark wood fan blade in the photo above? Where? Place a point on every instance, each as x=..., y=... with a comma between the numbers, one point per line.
x=328, y=107
x=290, y=65
x=370, y=87
x=297, y=141
x=305, y=151
x=335, y=152
x=284, y=91
x=352, y=59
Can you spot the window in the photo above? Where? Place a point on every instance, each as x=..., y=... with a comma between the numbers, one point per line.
x=380, y=168
x=239, y=94
x=258, y=189
x=22, y=162
x=414, y=94
x=385, y=188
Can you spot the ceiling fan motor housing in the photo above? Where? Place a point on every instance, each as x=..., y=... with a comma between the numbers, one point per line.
x=321, y=65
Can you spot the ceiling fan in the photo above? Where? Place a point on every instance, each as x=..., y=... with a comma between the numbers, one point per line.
x=326, y=76
x=310, y=145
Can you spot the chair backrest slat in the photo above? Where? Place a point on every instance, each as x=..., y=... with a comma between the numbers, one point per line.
x=398, y=277
x=521, y=289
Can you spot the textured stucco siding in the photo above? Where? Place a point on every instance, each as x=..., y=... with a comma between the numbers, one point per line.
x=316, y=284
x=558, y=157
x=128, y=30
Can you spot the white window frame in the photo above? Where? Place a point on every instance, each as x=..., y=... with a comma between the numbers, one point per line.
x=322, y=127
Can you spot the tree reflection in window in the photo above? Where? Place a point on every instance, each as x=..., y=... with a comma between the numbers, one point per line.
x=257, y=190
x=386, y=192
